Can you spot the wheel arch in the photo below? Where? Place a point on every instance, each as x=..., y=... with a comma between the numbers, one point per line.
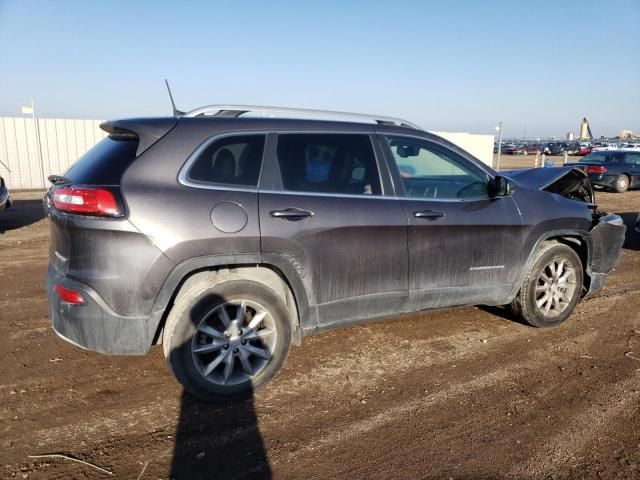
x=578, y=240
x=284, y=281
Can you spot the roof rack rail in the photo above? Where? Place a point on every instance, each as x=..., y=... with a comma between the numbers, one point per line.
x=234, y=111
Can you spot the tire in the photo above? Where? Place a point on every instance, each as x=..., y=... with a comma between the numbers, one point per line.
x=196, y=322
x=527, y=303
x=621, y=184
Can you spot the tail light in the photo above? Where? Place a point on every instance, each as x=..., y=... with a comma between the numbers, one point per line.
x=596, y=169
x=69, y=296
x=86, y=201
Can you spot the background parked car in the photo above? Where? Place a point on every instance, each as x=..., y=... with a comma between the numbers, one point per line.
x=584, y=150
x=512, y=149
x=618, y=170
x=535, y=148
x=556, y=148
x=572, y=148
x=5, y=197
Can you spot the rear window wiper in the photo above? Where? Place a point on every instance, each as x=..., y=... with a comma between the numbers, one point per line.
x=58, y=179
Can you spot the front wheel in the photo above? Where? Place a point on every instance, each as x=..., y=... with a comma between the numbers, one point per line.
x=226, y=340
x=552, y=288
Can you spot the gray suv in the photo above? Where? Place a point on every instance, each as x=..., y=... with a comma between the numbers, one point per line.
x=227, y=235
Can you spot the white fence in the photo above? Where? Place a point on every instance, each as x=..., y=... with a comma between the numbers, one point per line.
x=26, y=163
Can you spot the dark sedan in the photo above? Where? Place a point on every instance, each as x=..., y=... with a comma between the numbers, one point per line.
x=535, y=148
x=511, y=149
x=556, y=148
x=616, y=169
x=5, y=198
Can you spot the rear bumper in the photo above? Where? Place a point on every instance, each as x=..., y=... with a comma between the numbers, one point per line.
x=607, y=238
x=602, y=180
x=94, y=326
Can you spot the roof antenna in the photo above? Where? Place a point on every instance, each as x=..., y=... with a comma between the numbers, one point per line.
x=176, y=112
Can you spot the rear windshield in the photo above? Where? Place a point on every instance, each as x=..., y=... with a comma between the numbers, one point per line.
x=600, y=157
x=105, y=163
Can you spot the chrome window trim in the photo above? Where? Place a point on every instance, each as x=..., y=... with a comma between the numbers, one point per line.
x=182, y=175
x=382, y=197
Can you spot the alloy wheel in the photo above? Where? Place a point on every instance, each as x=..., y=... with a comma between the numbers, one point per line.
x=555, y=287
x=233, y=342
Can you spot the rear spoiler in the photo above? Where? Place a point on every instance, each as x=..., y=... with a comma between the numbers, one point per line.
x=147, y=130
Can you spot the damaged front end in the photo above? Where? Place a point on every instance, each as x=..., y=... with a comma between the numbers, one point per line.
x=568, y=182
x=607, y=232
x=607, y=238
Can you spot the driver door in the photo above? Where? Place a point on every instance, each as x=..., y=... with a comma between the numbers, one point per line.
x=464, y=247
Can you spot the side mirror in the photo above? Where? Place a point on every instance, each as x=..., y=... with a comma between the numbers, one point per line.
x=501, y=187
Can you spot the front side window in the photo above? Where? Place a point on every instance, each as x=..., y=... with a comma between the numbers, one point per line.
x=233, y=160
x=328, y=163
x=431, y=171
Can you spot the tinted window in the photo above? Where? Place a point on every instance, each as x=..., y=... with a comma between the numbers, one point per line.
x=326, y=163
x=233, y=160
x=633, y=158
x=430, y=171
x=103, y=164
x=600, y=157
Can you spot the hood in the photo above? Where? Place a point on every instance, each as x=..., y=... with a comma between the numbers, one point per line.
x=568, y=181
x=539, y=178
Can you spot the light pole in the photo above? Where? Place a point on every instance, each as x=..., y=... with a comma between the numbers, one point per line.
x=26, y=109
x=499, y=130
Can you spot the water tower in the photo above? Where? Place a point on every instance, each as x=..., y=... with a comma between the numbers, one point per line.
x=585, y=130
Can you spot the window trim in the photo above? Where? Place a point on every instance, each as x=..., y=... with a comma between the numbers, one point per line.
x=183, y=174
x=278, y=186
x=397, y=178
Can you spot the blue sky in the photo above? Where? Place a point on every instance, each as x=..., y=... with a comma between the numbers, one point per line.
x=446, y=65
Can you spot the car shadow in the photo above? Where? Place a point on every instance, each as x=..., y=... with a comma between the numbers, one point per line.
x=22, y=213
x=504, y=312
x=632, y=237
x=220, y=439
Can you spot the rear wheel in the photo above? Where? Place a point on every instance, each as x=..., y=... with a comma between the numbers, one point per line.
x=552, y=287
x=225, y=341
x=621, y=184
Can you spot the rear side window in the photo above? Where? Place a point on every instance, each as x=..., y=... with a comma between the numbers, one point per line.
x=601, y=157
x=633, y=158
x=233, y=160
x=328, y=163
x=105, y=163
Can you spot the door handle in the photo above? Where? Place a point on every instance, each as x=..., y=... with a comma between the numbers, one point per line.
x=428, y=214
x=291, y=214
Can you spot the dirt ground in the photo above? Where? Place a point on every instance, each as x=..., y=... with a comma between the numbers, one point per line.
x=464, y=393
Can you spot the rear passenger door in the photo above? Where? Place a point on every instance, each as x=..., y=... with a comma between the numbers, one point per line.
x=330, y=217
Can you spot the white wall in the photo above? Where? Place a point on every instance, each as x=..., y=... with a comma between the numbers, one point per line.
x=63, y=141
x=480, y=146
